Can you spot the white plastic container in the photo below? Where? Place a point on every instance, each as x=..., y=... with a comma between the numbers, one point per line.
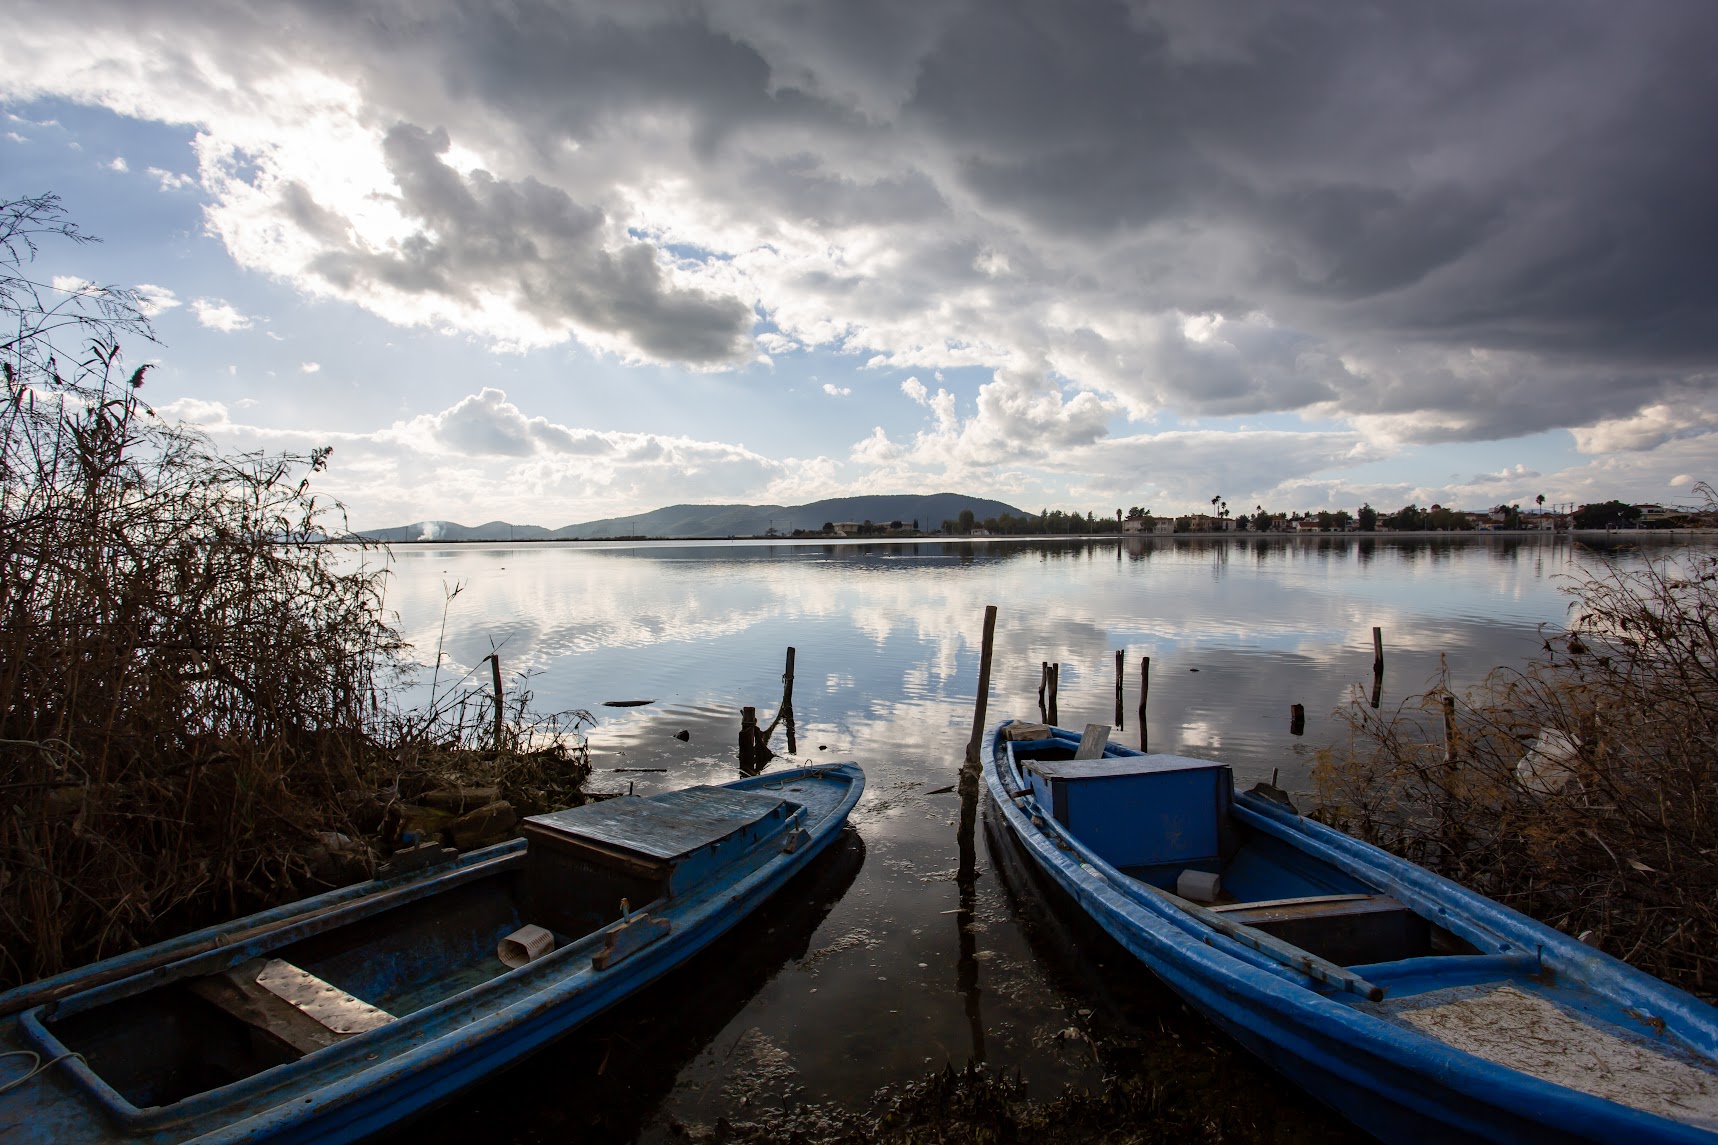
x=1199, y=886
x=527, y=944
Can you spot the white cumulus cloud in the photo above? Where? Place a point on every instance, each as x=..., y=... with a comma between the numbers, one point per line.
x=217, y=314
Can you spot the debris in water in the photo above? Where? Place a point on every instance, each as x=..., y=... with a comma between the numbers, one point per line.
x=626, y=703
x=683, y=736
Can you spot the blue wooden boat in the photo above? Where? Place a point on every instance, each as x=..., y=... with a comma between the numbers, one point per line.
x=333, y=1018
x=1418, y=1009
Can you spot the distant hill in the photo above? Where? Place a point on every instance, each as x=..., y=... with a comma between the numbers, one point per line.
x=699, y=521
x=453, y=531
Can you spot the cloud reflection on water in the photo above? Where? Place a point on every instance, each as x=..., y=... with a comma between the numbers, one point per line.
x=887, y=632
x=916, y=967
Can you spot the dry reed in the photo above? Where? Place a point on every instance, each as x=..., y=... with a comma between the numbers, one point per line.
x=194, y=694
x=1581, y=789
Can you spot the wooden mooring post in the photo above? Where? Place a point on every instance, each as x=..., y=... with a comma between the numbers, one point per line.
x=754, y=748
x=1377, y=664
x=748, y=734
x=1043, y=686
x=975, y=745
x=1121, y=669
x=500, y=706
x=1144, y=694
x=1055, y=690
x=785, y=711
x=1449, y=729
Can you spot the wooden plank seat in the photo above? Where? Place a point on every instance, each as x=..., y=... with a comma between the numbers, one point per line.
x=1306, y=904
x=288, y=1005
x=1348, y=929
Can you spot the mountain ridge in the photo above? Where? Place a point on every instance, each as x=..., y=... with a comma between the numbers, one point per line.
x=702, y=522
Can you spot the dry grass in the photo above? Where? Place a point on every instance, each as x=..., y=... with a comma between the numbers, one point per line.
x=1612, y=827
x=194, y=696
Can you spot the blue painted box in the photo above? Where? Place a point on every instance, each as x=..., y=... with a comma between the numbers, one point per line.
x=1140, y=811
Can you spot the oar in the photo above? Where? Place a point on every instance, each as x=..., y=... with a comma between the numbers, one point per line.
x=1306, y=962
x=1272, y=947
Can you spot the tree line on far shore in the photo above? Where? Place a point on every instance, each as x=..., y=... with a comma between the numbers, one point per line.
x=1410, y=518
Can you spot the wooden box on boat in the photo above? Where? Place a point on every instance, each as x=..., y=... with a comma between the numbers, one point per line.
x=585, y=860
x=1153, y=819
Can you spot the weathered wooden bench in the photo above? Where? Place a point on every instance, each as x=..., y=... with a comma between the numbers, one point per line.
x=1347, y=929
x=288, y=1005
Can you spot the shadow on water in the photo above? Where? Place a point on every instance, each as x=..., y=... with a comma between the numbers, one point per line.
x=1169, y=1073
x=966, y=913
x=606, y=1079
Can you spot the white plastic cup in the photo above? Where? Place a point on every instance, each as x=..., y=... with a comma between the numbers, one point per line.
x=527, y=944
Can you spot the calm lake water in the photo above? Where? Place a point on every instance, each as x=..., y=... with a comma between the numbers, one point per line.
x=864, y=977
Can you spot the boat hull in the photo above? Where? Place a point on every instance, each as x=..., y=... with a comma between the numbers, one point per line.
x=1396, y=1085
x=424, y=1060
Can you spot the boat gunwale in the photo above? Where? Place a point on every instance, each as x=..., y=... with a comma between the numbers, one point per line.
x=429, y=883
x=1346, y=1034
x=699, y=915
x=1420, y=889
x=158, y=956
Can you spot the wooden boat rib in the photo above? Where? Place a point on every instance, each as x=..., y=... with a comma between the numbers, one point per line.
x=334, y=1018
x=1420, y=1010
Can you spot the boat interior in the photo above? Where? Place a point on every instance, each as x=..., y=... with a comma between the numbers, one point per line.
x=1167, y=821
x=1170, y=823
x=234, y=1012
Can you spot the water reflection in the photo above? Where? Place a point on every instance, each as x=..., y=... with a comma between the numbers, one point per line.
x=966, y=915
x=885, y=636
x=1133, y=1022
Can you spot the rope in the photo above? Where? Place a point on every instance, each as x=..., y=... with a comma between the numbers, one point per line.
x=37, y=1065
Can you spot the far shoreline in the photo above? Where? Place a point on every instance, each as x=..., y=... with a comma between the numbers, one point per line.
x=1464, y=535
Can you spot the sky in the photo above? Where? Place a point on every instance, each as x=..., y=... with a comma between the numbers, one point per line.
x=554, y=261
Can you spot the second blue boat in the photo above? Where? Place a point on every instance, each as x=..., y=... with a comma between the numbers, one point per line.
x=1421, y=1011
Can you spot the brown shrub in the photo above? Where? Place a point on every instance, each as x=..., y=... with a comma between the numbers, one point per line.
x=1581, y=789
x=194, y=693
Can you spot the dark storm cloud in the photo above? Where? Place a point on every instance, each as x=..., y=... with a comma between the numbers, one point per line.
x=532, y=241
x=1473, y=218
x=1530, y=176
